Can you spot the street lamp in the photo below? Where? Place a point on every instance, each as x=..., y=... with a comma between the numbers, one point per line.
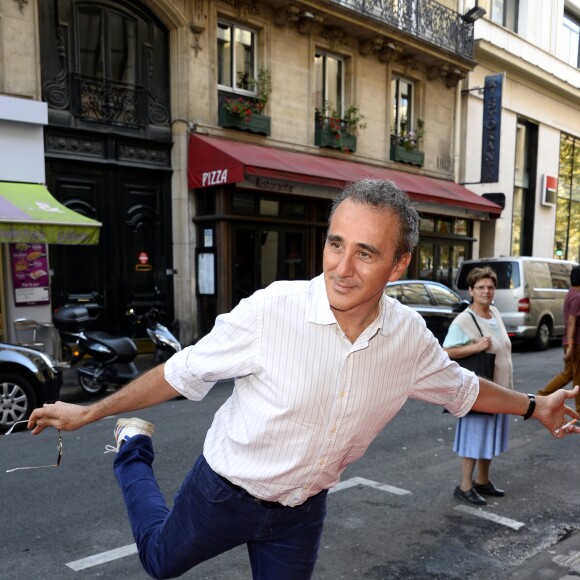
x=474, y=13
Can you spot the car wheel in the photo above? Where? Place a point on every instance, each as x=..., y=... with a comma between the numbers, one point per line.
x=543, y=335
x=89, y=385
x=17, y=400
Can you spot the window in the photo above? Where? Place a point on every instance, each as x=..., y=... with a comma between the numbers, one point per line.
x=402, y=111
x=107, y=44
x=236, y=57
x=526, y=156
x=416, y=294
x=329, y=80
x=505, y=13
x=567, y=242
x=569, y=44
x=560, y=274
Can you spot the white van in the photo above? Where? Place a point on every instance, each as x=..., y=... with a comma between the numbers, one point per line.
x=529, y=295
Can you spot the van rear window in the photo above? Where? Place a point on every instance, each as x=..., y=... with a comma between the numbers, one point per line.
x=508, y=274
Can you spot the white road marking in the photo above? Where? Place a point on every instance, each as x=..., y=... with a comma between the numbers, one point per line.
x=131, y=549
x=571, y=561
x=369, y=483
x=513, y=524
x=103, y=557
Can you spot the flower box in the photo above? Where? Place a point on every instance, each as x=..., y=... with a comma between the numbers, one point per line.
x=324, y=137
x=256, y=123
x=402, y=155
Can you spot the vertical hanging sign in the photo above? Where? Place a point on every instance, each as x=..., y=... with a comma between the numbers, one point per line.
x=491, y=128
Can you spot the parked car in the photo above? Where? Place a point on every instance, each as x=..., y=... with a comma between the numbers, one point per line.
x=530, y=295
x=436, y=303
x=28, y=378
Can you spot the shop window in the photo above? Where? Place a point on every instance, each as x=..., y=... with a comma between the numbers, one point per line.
x=461, y=227
x=569, y=40
x=247, y=203
x=237, y=66
x=456, y=226
x=444, y=226
x=427, y=224
x=243, y=203
x=505, y=13
x=567, y=241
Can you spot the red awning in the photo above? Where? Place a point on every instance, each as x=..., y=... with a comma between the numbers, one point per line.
x=214, y=161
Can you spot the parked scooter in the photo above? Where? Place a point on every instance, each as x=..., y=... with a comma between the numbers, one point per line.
x=110, y=361
x=166, y=344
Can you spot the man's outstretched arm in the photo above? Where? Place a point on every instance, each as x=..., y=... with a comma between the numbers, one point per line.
x=551, y=411
x=146, y=390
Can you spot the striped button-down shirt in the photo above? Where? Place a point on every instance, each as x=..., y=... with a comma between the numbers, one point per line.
x=306, y=401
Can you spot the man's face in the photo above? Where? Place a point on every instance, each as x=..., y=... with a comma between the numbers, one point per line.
x=358, y=257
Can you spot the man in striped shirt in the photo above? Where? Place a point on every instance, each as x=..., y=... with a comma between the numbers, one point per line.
x=319, y=368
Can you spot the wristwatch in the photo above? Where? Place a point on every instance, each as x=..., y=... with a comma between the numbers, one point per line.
x=531, y=406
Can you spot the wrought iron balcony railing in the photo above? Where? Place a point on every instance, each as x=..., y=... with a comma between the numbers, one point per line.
x=108, y=101
x=425, y=19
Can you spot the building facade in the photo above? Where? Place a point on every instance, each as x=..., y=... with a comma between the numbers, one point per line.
x=534, y=48
x=209, y=137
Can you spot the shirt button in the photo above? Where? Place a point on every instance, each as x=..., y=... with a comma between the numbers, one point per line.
x=333, y=430
x=342, y=394
x=322, y=462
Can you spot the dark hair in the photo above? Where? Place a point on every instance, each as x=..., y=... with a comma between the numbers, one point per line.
x=478, y=274
x=575, y=276
x=383, y=194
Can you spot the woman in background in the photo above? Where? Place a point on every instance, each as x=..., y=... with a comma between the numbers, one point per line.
x=480, y=436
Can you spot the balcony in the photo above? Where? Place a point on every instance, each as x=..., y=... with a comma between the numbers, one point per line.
x=240, y=113
x=425, y=19
x=403, y=155
x=107, y=101
x=333, y=133
x=387, y=28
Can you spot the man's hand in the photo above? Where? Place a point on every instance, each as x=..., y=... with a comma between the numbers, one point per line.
x=145, y=391
x=552, y=412
x=63, y=416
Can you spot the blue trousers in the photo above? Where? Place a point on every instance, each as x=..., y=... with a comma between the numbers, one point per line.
x=209, y=517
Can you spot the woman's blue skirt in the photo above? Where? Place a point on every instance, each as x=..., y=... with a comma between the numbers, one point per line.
x=481, y=436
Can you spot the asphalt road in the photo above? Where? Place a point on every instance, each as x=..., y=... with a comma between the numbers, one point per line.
x=392, y=517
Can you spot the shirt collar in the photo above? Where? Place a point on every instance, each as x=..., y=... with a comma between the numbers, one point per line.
x=320, y=312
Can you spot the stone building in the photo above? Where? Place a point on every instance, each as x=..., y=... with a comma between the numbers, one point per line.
x=533, y=47
x=208, y=137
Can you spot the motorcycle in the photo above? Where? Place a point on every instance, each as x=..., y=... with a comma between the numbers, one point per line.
x=111, y=358
x=166, y=344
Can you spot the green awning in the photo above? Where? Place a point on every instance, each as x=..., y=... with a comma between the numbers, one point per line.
x=29, y=214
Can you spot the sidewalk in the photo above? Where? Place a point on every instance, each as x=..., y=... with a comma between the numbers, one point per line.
x=71, y=390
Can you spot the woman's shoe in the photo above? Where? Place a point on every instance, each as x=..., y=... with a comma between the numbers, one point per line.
x=488, y=489
x=470, y=496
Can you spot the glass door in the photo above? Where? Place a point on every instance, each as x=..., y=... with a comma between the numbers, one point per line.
x=265, y=254
x=439, y=260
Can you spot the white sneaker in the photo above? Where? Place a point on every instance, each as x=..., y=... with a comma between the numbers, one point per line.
x=127, y=428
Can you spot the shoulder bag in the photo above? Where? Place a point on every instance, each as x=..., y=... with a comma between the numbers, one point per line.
x=481, y=363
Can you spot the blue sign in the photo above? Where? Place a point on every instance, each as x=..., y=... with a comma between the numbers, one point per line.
x=491, y=128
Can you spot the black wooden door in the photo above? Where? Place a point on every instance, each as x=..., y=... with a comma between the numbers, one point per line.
x=132, y=265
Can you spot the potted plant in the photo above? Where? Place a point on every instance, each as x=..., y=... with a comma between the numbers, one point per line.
x=245, y=113
x=335, y=131
x=405, y=144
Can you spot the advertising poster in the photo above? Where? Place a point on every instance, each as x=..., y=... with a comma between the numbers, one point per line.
x=29, y=274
